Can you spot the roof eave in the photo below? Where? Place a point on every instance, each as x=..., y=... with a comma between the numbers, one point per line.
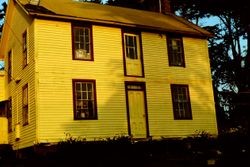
x=108, y=22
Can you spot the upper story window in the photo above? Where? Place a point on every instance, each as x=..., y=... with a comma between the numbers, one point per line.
x=181, y=102
x=84, y=98
x=82, y=42
x=132, y=50
x=175, y=51
x=25, y=54
x=9, y=66
x=25, y=100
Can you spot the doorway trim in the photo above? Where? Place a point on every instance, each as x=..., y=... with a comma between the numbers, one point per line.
x=143, y=88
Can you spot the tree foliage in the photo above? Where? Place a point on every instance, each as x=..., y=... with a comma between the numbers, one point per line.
x=152, y=5
x=2, y=14
x=94, y=1
x=230, y=59
x=229, y=56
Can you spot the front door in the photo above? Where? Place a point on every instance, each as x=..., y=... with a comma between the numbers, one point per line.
x=137, y=116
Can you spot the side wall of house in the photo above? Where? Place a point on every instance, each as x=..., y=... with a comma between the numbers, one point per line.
x=160, y=76
x=56, y=69
x=3, y=130
x=18, y=25
x=3, y=119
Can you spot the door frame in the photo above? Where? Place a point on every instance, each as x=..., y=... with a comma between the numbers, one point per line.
x=138, y=34
x=143, y=85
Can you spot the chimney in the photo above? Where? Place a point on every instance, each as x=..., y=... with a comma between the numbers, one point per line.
x=161, y=6
x=34, y=2
x=164, y=6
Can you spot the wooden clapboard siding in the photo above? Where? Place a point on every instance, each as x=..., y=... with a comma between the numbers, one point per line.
x=2, y=86
x=159, y=76
x=3, y=130
x=51, y=69
x=17, y=26
x=57, y=69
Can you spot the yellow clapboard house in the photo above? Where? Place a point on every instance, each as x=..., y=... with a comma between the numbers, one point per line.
x=96, y=71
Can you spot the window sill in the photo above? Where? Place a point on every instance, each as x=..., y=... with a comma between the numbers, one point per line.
x=83, y=59
x=79, y=119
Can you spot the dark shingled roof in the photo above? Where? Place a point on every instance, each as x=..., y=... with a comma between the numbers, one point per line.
x=37, y=9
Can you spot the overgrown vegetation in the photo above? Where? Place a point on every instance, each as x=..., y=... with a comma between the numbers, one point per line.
x=231, y=149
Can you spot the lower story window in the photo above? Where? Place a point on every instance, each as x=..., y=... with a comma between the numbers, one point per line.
x=9, y=114
x=181, y=102
x=84, y=98
x=25, y=111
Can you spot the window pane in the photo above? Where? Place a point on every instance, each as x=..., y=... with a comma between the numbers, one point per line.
x=84, y=95
x=25, y=96
x=79, y=103
x=126, y=40
x=131, y=52
x=87, y=32
x=84, y=87
x=81, y=39
x=78, y=95
x=81, y=31
x=9, y=66
x=25, y=105
x=89, y=95
x=76, y=31
x=129, y=41
x=78, y=86
x=25, y=49
x=89, y=86
x=87, y=48
x=25, y=115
